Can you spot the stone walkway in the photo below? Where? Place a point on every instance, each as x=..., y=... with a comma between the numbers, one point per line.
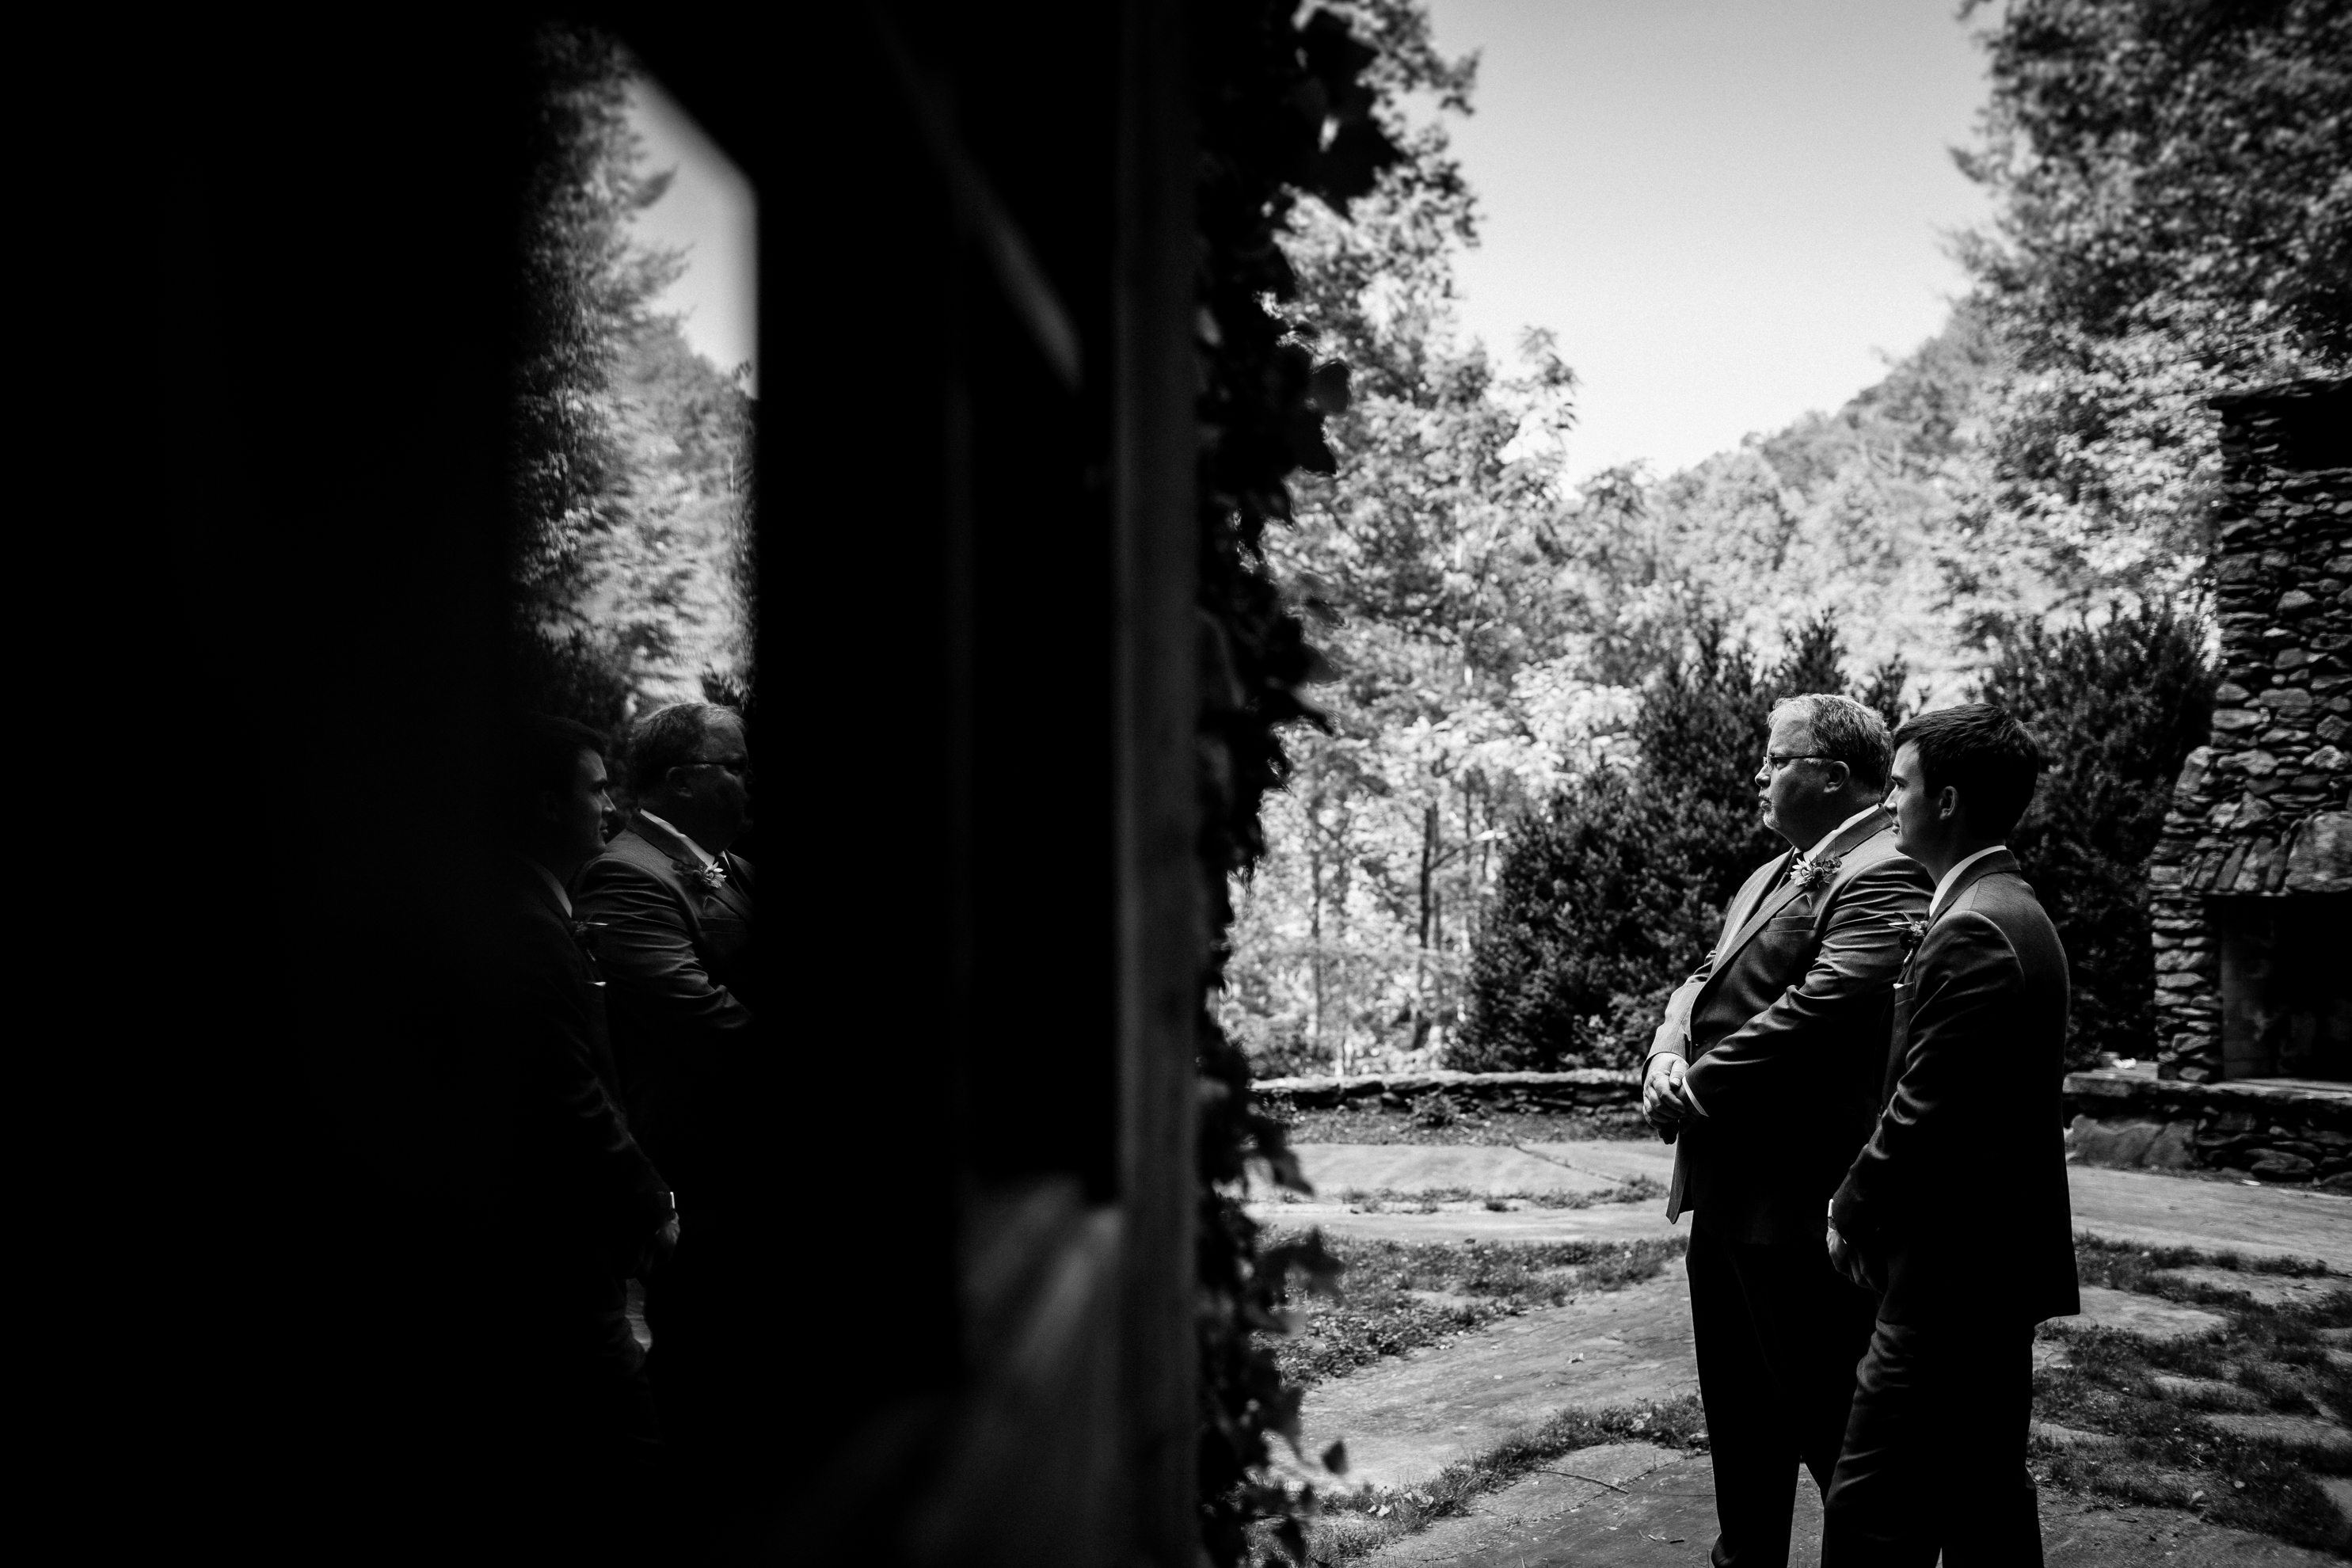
x=2144, y=1206
x=1405, y=1419
x=1657, y=1507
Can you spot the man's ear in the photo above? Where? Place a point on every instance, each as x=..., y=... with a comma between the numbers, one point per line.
x=1838, y=777
x=1947, y=804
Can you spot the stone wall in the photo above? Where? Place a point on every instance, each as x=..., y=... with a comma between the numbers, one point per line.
x=1587, y=1091
x=2271, y=1133
x=2261, y=811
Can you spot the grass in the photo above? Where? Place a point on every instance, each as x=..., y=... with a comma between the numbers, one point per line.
x=2155, y=1448
x=1427, y=1200
x=1356, y=1524
x=2165, y=1453
x=1400, y=1296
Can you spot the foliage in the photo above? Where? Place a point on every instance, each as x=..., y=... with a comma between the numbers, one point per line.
x=629, y=459
x=2173, y=221
x=2117, y=704
x=1609, y=897
x=1428, y=558
x=1283, y=110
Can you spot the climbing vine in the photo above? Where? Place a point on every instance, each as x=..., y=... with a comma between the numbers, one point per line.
x=1283, y=110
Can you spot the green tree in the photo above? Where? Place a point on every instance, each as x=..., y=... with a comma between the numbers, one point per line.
x=2117, y=703
x=2172, y=221
x=582, y=288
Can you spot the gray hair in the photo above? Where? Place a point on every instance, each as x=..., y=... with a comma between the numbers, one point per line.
x=1843, y=731
x=670, y=738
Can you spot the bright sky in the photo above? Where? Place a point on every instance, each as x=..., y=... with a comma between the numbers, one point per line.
x=1726, y=210
x=711, y=213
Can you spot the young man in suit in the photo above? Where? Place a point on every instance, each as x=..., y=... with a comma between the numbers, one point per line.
x=1957, y=1209
x=1764, y=1074
x=673, y=915
x=570, y=1206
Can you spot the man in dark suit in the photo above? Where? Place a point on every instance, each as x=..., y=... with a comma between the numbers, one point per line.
x=1764, y=1075
x=571, y=1205
x=675, y=913
x=1957, y=1209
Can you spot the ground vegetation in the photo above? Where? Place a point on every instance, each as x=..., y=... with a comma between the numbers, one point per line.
x=1400, y=1296
x=2149, y=1422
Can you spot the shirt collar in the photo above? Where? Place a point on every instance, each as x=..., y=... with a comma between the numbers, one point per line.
x=1952, y=876
x=553, y=884
x=1824, y=842
x=703, y=856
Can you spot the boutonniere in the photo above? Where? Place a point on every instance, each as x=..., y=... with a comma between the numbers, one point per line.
x=1812, y=874
x=714, y=875
x=1913, y=931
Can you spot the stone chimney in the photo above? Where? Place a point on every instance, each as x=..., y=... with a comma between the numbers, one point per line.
x=2250, y=886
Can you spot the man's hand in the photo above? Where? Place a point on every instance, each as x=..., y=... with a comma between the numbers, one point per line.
x=657, y=1251
x=1846, y=1258
x=1663, y=1101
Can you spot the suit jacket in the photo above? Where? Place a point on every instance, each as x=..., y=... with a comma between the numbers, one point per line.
x=678, y=954
x=1785, y=1028
x=577, y=1200
x=1959, y=1201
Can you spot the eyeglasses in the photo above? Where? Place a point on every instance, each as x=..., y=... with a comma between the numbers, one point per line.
x=739, y=766
x=1774, y=762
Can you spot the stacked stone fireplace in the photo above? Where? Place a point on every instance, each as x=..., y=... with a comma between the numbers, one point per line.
x=2251, y=884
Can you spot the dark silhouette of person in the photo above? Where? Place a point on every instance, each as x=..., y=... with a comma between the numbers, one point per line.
x=675, y=916
x=572, y=1207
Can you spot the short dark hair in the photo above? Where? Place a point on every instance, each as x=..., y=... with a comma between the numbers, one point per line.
x=1983, y=752
x=670, y=738
x=545, y=758
x=1845, y=731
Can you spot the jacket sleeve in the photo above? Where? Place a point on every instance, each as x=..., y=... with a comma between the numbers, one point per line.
x=1673, y=1038
x=584, y=1136
x=1966, y=974
x=1771, y=1065
x=647, y=949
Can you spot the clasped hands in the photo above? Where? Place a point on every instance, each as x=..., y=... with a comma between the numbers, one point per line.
x=1664, y=1103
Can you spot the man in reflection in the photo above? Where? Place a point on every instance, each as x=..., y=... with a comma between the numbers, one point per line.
x=574, y=1206
x=674, y=913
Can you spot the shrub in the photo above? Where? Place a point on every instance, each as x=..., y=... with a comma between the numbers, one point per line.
x=2117, y=706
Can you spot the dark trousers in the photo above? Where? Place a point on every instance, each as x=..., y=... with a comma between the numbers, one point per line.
x=566, y=1449
x=1935, y=1453
x=1780, y=1332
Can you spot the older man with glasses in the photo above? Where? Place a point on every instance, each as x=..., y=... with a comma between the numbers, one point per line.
x=670, y=912
x=1764, y=1075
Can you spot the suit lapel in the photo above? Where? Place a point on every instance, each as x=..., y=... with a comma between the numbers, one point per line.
x=731, y=895
x=1844, y=844
x=1736, y=924
x=1999, y=861
x=691, y=869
